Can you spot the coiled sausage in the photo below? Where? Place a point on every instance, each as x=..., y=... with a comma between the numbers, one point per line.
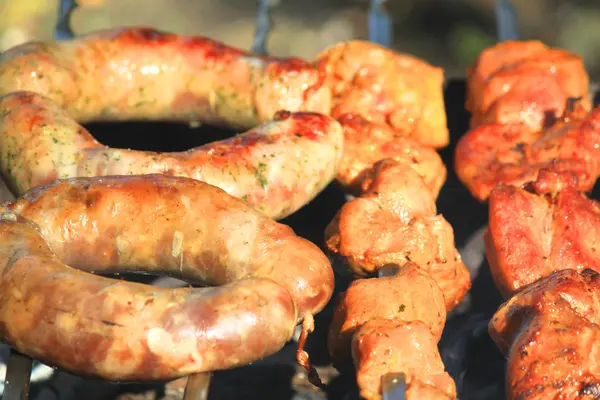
x=176, y=226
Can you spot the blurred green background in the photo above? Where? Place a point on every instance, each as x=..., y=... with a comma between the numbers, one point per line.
x=448, y=33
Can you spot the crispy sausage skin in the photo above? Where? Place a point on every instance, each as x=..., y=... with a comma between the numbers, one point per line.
x=118, y=330
x=550, y=332
x=277, y=167
x=175, y=226
x=387, y=88
x=143, y=74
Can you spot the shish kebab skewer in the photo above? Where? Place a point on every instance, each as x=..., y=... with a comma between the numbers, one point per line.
x=380, y=31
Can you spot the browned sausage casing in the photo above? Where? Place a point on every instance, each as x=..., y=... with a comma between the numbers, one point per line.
x=119, y=330
x=175, y=226
x=277, y=167
x=141, y=73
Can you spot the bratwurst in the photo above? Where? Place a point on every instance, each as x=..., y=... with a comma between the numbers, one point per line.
x=277, y=167
x=145, y=74
x=272, y=279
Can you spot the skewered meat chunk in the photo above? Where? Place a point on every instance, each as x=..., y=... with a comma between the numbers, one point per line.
x=365, y=143
x=410, y=294
x=383, y=346
x=524, y=82
x=551, y=334
x=394, y=221
x=387, y=88
x=495, y=154
x=532, y=234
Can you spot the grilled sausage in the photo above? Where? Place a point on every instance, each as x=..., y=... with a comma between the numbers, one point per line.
x=144, y=74
x=175, y=226
x=277, y=168
x=117, y=330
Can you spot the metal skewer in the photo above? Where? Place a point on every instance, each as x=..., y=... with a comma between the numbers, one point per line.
x=263, y=27
x=393, y=385
x=506, y=21
x=380, y=24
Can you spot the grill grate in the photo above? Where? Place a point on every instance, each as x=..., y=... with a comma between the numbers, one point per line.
x=465, y=332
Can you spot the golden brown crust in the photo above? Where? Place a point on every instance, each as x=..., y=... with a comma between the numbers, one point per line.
x=531, y=235
x=524, y=82
x=175, y=226
x=117, y=330
x=409, y=295
x=277, y=167
x=387, y=88
x=394, y=221
x=494, y=154
x=550, y=333
x=382, y=346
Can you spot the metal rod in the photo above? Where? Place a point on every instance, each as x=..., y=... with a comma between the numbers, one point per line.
x=393, y=386
x=263, y=27
x=380, y=24
x=197, y=386
x=506, y=21
x=62, y=30
x=18, y=375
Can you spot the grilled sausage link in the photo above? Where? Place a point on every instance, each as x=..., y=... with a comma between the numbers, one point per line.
x=144, y=74
x=277, y=167
x=175, y=226
x=117, y=330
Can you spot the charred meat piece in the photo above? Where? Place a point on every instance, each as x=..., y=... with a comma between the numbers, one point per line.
x=524, y=82
x=365, y=143
x=409, y=295
x=387, y=88
x=394, y=221
x=495, y=154
x=383, y=346
x=550, y=333
x=530, y=235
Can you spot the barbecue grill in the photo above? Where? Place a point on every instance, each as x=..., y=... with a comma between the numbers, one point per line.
x=469, y=355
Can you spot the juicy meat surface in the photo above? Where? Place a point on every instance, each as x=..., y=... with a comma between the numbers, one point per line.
x=276, y=167
x=138, y=73
x=524, y=82
x=494, y=154
x=411, y=294
x=394, y=221
x=387, y=88
x=381, y=346
x=365, y=143
x=117, y=330
x=175, y=226
x=550, y=333
x=530, y=235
